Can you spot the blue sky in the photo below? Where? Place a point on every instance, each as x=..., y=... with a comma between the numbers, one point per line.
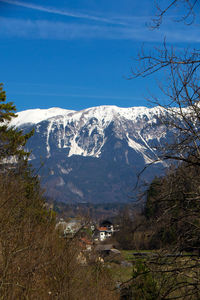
x=77, y=54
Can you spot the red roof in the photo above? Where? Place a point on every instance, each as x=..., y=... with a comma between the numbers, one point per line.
x=102, y=229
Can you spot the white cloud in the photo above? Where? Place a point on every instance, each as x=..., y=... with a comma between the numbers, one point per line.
x=45, y=29
x=112, y=27
x=63, y=12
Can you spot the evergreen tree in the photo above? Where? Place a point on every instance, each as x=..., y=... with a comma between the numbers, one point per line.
x=12, y=141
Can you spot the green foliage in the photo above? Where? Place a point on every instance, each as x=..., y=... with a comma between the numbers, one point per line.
x=172, y=209
x=7, y=110
x=152, y=205
x=143, y=285
x=12, y=141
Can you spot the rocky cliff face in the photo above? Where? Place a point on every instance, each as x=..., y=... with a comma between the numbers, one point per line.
x=93, y=155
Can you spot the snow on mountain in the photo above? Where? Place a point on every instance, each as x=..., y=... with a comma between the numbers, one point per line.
x=78, y=129
x=34, y=116
x=94, y=154
x=105, y=113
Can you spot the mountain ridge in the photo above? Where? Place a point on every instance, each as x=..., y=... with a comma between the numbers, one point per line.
x=39, y=114
x=95, y=154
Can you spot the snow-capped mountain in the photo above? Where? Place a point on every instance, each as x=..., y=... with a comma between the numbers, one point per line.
x=93, y=155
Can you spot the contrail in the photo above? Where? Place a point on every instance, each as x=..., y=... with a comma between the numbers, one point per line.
x=62, y=12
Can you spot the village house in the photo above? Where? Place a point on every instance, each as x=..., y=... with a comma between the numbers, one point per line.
x=109, y=226
x=85, y=244
x=104, y=231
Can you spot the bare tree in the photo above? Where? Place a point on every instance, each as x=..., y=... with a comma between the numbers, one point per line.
x=176, y=220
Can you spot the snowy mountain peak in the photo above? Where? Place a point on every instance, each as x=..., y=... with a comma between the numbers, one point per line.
x=86, y=132
x=94, y=153
x=106, y=113
x=34, y=116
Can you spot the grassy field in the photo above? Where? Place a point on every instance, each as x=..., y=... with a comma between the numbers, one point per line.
x=129, y=254
x=179, y=275
x=120, y=273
